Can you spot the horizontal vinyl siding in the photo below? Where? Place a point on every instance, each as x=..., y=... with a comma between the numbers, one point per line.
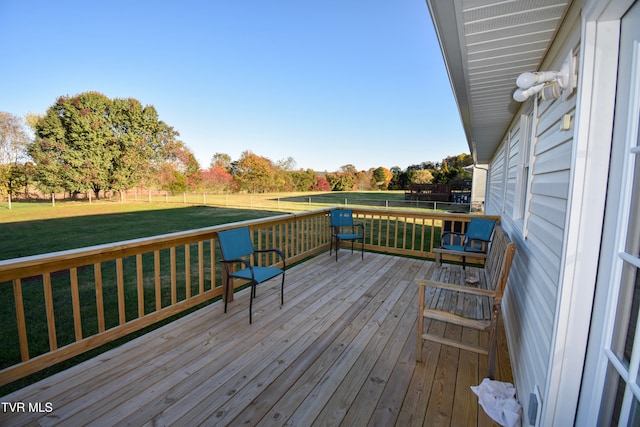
x=496, y=183
x=512, y=172
x=531, y=297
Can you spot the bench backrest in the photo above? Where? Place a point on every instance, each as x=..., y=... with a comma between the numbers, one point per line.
x=498, y=262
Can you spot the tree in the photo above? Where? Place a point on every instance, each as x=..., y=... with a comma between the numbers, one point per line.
x=221, y=160
x=218, y=177
x=13, y=154
x=340, y=181
x=254, y=173
x=402, y=180
x=380, y=178
x=179, y=171
x=321, y=184
x=90, y=142
x=303, y=180
x=423, y=176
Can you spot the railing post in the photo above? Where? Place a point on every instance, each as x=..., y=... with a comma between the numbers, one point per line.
x=184, y=197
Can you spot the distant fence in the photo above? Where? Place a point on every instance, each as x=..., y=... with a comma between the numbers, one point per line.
x=279, y=202
x=455, y=193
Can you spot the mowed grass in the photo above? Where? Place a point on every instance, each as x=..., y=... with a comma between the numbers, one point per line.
x=32, y=229
x=38, y=228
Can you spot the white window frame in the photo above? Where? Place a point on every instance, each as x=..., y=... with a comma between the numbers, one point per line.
x=525, y=165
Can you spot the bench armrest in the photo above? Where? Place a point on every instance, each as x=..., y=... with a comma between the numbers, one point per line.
x=457, y=288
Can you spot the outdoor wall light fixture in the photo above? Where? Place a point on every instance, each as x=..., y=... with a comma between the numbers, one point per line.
x=551, y=84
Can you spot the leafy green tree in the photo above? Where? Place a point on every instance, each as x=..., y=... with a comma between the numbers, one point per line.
x=303, y=180
x=90, y=142
x=402, y=180
x=341, y=181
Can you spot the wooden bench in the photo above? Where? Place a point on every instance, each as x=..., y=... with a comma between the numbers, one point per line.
x=454, y=300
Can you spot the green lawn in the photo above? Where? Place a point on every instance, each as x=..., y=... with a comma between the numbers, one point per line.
x=31, y=229
x=37, y=228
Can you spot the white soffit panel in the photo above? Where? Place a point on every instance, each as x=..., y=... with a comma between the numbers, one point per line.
x=495, y=41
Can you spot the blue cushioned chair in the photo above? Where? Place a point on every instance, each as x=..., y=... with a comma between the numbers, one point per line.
x=344, y=228
x=237, y=248
x=476, y=238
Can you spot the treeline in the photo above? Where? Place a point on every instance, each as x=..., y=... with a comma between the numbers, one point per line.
x=90, y=143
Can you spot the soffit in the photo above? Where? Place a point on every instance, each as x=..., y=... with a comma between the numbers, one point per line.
x=486, y=45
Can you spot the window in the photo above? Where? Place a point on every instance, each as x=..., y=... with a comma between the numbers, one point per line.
x=521, y=196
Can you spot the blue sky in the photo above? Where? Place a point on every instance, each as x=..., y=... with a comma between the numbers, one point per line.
x=328, y=83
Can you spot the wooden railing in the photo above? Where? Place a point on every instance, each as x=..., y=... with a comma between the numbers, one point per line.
x=59, y=305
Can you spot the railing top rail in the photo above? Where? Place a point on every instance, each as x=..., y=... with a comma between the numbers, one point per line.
x=414, y=213
x=54, y=261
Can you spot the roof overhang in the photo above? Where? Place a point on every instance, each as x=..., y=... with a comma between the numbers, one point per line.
x=486, y=45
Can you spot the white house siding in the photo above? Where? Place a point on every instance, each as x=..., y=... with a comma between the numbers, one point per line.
x=494, y=201
x=531, y=298
x=513, y=159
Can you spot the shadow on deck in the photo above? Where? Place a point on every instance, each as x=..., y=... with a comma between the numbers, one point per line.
x=341, y=351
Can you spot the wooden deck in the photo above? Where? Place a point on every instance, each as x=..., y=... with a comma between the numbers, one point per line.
x=340, y=352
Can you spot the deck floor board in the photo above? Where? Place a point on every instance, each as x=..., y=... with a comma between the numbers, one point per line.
x=341, y=351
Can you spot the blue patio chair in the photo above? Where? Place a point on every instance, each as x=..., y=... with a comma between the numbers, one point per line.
x=344, y=228
x=476, y=238
x=237, y=248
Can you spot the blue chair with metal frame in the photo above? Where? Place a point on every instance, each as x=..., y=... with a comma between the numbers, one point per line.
x=237, y=248
x=476, y=238
x=344, y=228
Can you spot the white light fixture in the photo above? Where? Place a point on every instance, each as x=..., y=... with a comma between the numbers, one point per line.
x=552, y=84
x=522, y=95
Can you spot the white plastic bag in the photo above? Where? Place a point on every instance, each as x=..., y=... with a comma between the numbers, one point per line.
x=498, y=401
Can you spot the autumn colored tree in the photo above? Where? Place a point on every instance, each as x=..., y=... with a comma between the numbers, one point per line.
x=423, y=176
x=321, y=184
x=179, y=170
x=218, y=177
x=380, y=178
x=254, y=173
